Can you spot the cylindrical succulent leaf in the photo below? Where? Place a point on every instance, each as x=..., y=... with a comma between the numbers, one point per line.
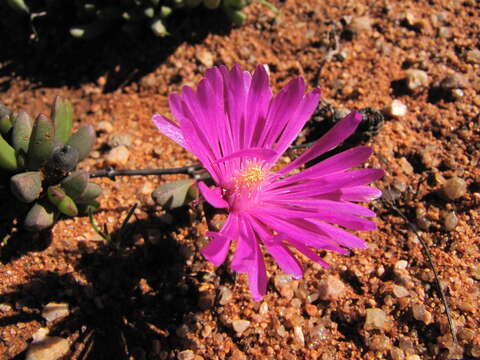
x=149, y=12
x=41, y=143
x=158, y=28
x=8, y=160
x=211, y=4
x=26, y=186
x=75, y=183
x=67, y=206
x=92, y=191
x=18, y=5
x=40, y=217
x=62, y=116
x=55, y=194
x=90, y=31
x=235, y=4
x=5, y=124
x=64, y=158
x=235, y=16
x=83, y=141
x=21, y=133
x=165, y=11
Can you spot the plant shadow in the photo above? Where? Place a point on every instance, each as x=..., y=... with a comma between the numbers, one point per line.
x=125, y=302
x=55, y=59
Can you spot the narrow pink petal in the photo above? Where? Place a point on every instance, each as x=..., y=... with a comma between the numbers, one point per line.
x=258, y=99
x=281, y=111
x=170, y=129
x=308, y=253
x=316, y=205
x=254, y=153
x=323, y=185
x=330, y=140
x=257, y=275
x=244, y=253
x=212, y=196
x=339, y=162
x=341, y=236
x=284, y=258
x=360, y=193
x=216, y=250
x=298, y=120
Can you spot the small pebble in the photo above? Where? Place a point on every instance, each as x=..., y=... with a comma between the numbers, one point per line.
x=416, y=78
x=225, y=295
x=397, y=354
x=285, y=285
x=400, y=291
x=205, y=57
x=455, y=81
x=331, y=288
x=5, y=307
x=118, y=156
x=445, y=32
x=453, y=188
x=396, y=109
x=53, y=311
x=50, y=348
x=119, y=139
x=413, y=357
x=359, y=24
x=40, y=334
x=450, y=221
x=263, y=308
x=240, y=326
x=421, y=314
x=406, y=166
x=298, y=335
x=401, y=265
x=104, y=126
x=378, y=343
x=376, y=319
x=457, y=93
x=186, y=355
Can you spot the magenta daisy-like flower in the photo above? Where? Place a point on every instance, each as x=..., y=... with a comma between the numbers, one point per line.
x=238, y=130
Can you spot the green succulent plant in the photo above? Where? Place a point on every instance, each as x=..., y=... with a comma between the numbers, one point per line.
x=39, y=159
x=95, y=17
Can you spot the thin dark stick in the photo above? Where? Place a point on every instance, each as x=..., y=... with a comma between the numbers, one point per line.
x=187, y=170
x=111, y=173
x=432, y=266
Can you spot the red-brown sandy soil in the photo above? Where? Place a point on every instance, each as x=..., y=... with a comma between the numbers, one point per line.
x=156, y=297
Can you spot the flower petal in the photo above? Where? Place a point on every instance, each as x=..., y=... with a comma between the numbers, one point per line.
x=360, y=193
x=216, y=250
x=212, y=196
x=170, y=129
x=330, y=140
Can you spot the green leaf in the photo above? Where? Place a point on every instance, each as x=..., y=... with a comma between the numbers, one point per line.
x=21, y=133
x=67, y=206
x=75, y=183
x=83, y=140
x=41, y=143
x=18, y=5
x=5, y=124
x=175, y=194
x=26, y=186
x=62, y=116
x=8, y=160
x=55, y=194
x=40, y=217
x=92, y=191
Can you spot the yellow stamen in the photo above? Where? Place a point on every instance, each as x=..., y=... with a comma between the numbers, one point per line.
x=250, y=177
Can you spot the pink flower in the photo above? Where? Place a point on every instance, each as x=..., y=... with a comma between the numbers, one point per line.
x=238, y=130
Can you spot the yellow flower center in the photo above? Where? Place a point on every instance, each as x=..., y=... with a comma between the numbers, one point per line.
x=250, y=177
